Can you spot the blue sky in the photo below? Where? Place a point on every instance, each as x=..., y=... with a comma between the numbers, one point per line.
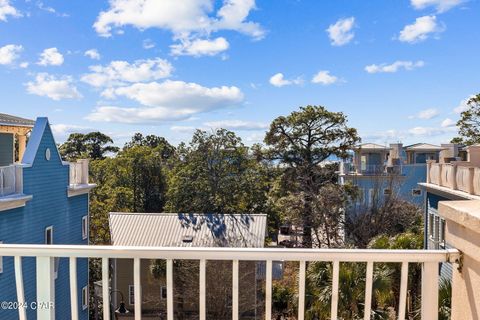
x=400, y=70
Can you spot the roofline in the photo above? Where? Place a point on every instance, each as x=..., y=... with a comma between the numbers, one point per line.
x=186, y=213
x=16, y=125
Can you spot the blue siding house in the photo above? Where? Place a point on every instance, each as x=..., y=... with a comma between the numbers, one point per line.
x=379, y=171
x=42, y=201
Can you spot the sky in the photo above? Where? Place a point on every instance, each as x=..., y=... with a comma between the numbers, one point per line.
x=401, y=70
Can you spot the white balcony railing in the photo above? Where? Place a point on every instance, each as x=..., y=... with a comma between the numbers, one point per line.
x=79, y=173
x=7, y=180
x=44, y=253
x=347, y=168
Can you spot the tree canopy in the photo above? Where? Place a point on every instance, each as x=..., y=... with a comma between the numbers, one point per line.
x=469, y=123
x=93, y=145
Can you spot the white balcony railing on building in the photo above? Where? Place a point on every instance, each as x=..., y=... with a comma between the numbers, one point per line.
x=456, y=175
x=7, y=180
x=369, y=169
x=45, y=293
x=79, y=173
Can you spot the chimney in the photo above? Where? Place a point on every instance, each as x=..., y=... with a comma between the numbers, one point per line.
x=395, y=156
x=450, y=152
x=474, y=155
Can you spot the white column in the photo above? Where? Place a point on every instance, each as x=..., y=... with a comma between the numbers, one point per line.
x=45, y=288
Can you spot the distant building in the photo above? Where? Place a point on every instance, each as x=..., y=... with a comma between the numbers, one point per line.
x=448, y=179
x=380, y=171
x=42, y=201
x=188, y=230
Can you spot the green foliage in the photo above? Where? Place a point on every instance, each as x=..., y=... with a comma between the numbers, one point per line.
x=469, y=123
x=93, y=145
x=216, y=173
x=301, y=141
x=351, y=291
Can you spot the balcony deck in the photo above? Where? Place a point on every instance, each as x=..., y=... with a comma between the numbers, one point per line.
x=45, y=253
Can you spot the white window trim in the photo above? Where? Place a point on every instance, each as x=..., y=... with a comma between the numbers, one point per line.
x=417, y=195
x=85, y=227
x=85, y=295
x=50, y=228
x=1, y=261
x=131, y=294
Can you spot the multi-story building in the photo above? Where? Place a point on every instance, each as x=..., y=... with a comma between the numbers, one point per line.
x=380, y=171
x=43, y=200
x=447, y=180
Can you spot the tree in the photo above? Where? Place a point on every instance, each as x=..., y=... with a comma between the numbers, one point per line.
x=152, y=141
x=382, y=214
x=469, y=123
x=216, y=173
x=93, y=145
x=301, y=142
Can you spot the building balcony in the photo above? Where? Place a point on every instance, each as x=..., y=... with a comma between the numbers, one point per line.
x=458, y=177
x=350, y=169
x=11, y=187
x=78, y=178
x=45, y=283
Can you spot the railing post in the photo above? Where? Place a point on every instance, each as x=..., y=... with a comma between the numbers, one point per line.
x=45, y=288
x=430, y=290
x=470, y=181
x=453, y=176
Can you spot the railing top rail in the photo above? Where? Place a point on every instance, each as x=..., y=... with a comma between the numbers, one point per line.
x=251, y=254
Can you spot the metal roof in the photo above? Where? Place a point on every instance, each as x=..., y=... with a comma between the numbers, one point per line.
x=9, y=120
x=424, y=146
x=188, y=229
x=374, y=146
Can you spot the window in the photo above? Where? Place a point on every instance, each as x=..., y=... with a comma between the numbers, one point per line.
x=163, y=292
x=442, y=233
x=84, y=227
x=387, y=192
x=84, y=298
x=371, y=196
x=1, y=261
x=49, y=235
x=131, y=295
x=430, y=225
x=49, y=240
x=361, y=195
x=416, y=192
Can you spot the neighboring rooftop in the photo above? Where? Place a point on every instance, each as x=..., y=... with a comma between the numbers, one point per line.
x=9, y=120
x=372, y=146
x=424, y=146
x=188, y=229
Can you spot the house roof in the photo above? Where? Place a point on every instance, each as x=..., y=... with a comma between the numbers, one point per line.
x=188, y=229
x=9, y=120
x=372, y=146
x=424, y=146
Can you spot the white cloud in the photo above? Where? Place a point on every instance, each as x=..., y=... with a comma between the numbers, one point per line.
x=463, y=106
x=237, y=125
x=24, y=64
x=93, y=54
x=394, y=67
x=429, y=131
x=50, y=57
x=169, y=100
x=188, y=20
x=9, y=53
x=448, y=123
x=63, y=130
x=324, y=77
x=426, y=114
x=199, y=47
x=278, y=80
x=148, y=44
x=6, y=9
x=340, y=33
x=183, y=129
x=420, y=30
x=122, y=72
x=440, y=5
x=55, y=88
